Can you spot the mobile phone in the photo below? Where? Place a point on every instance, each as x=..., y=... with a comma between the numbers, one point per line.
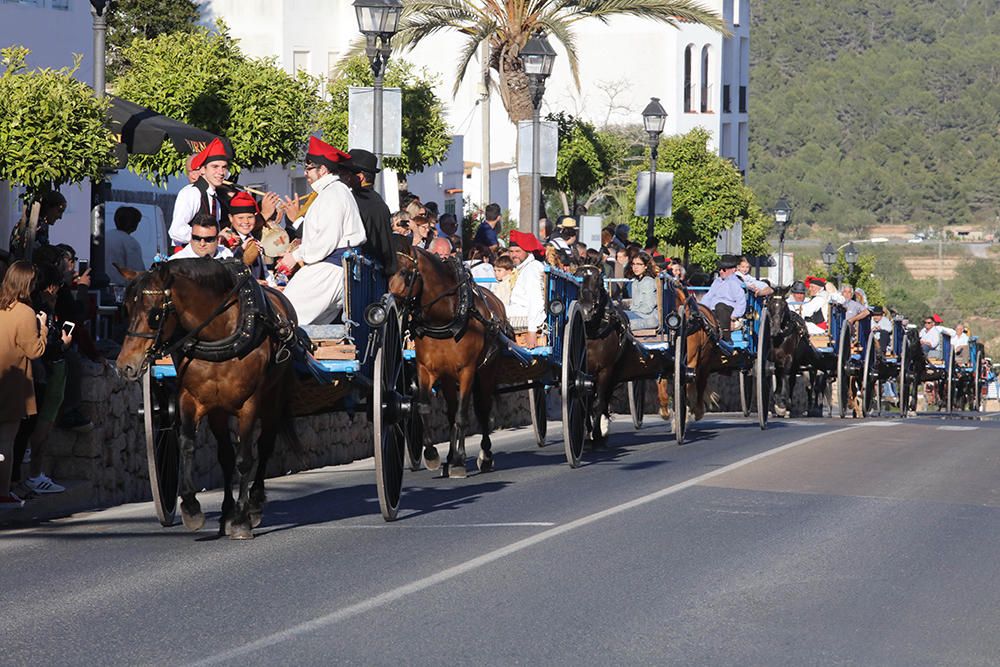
x=84, y=265
x=67, y=328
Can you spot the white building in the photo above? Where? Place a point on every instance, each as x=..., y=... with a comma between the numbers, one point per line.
x=54, y=30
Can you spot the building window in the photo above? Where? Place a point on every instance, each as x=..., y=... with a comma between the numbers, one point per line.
x=300, y=61
x=737, y=8
x=60, y=4
x=688, y=83
x=743, y=99
x=706, y=88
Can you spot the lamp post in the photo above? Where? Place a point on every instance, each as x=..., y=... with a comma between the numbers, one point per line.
x=654, y=117
x=782, y=214
x=378, y=21
x=829, y=255
x=537, y=57
x=851, y=257
x=100, y=188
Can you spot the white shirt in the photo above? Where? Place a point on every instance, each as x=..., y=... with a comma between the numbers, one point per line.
x=960, y=341
x=187, y=252
x=122, y=249
x=752, y=283
x=331, y=223
x=932, y=337
x=188, y=205
x=884, y=324
x=527, y=296
x=480, y=269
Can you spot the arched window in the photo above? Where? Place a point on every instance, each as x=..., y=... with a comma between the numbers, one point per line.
x=688, y=80
x=706, y=89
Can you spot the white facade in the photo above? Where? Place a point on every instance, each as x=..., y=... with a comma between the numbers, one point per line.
x=54, y=30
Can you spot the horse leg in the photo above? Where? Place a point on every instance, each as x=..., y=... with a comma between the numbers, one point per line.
x=456, y=448
x=265, y=447
x=191, y=512
x=218, y=422
x=425, y=383
x=246, y=464
x=482, y=403
x=663, y=398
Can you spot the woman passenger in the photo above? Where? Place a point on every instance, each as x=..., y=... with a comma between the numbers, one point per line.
x=643, y=310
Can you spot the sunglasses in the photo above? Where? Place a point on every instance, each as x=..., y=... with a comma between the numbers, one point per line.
x=204, y=239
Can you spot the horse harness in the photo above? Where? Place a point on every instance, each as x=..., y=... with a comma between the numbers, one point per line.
x=257, y=320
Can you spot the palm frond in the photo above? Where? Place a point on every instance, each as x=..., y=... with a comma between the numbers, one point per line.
x=560, y=29
x=472, y=44
x=666, y=11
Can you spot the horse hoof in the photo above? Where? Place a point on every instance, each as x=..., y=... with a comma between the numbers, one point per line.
x=484, y=463
x=457, y=471
x=255, y=519
x=193, y=520
x=665, y=414
x=239, y=531
x=605, y=423
x=432, y=459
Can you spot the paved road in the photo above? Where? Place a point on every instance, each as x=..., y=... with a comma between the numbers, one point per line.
x=815, y=542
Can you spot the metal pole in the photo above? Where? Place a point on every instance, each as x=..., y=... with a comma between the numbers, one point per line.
x=781, y=258
x=536, y=181
x=484, y=100
x=100, y=189
x=377, y=130
x=651, y=212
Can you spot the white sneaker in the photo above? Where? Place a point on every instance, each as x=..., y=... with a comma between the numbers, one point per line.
x=42, y=484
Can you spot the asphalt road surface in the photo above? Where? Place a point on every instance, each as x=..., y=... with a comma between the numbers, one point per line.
x=816, y=542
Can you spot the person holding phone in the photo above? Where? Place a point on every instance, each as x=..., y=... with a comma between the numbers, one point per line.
x=22, y=340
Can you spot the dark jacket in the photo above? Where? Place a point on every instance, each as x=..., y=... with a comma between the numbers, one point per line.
x=377, y=219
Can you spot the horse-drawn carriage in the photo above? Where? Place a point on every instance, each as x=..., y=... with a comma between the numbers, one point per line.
x=357, y=366
x=956, y=379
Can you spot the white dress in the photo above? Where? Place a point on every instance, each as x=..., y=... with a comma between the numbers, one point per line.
x=332, y=222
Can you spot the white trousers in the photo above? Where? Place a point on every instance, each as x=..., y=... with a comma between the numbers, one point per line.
x=317, y=292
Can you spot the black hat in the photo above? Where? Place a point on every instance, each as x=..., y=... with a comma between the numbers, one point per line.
x=877, y=310
x=728, y=262
x=362, y=160
x=798, y=287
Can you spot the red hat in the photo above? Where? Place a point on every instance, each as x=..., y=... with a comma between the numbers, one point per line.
x=526, y=241
x=243, y=202
x=320, y=152
x=936, y=318
x=215, y=150
x=813, y=280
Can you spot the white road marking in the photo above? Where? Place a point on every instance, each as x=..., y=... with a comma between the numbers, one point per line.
x=958, y=428
x=395, y=525
x=395, y=594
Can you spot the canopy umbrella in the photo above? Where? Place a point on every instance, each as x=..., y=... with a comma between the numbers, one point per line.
x=143, y=130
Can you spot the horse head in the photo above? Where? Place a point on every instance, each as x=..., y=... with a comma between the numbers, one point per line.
x=592, y=297
x=778, y=310
x=406, y=284
x=150, y=316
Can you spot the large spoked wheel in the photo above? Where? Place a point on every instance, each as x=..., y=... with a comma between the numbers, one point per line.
x=575, y=385
x=160, y=419
x=844, y=368
x=763, y=370
x=637, y=401
x=977, y=381
x=869, y=378
x=413, y=423
x=389, y=407
x=539, y=414
x=746, y=382
x=679, y=421
x=907, y=383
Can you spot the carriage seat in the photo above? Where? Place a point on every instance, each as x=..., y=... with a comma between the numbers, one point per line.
x=325, y=331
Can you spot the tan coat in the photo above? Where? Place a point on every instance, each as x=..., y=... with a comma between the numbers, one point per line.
x=20, y=342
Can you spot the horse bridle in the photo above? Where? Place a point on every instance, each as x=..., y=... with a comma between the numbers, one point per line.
x=605, y=319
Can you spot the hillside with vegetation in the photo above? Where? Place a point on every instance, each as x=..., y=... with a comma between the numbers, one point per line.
x=877, y=112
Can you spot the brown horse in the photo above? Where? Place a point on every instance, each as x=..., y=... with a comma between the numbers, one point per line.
x=454, y=325
x=703, y=355
x=195, y=301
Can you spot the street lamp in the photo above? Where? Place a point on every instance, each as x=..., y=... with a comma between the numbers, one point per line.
x=851, y=257
x=782, y=214
x=537, y=57
x=100, y=188
x=829, y=255
x=378, y=21
x=654, y=117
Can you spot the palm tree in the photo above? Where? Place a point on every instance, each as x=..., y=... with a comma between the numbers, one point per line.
x=506, y=26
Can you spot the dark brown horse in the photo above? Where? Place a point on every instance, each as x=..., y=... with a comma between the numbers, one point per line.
x=196, y=300
x=793, y=354
x=455, y=327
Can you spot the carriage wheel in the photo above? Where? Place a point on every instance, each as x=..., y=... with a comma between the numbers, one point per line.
x=575, y=389
x=746, y=383
x=159, y=416
x=679, y=420
x=869, y=377
x=977, y=397
x=844, y=368
x=763, y=371
x=413, y=423
x=388, y=393
x=539, y=414
x=636, y=401
x=902, y=391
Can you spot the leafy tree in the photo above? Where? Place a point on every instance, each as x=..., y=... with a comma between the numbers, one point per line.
x=507, y=26
x=862, y=276
x=202, y=78
x=52, y=128
x=582, y=163
x=425, y=134
x=708, y=196
x=145, y=19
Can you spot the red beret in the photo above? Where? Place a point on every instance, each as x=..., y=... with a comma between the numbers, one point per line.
x=936, y=318
x=320, y=152
x=813, y=280
x=243, y=202
x=215, y=150
x=525, y=241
